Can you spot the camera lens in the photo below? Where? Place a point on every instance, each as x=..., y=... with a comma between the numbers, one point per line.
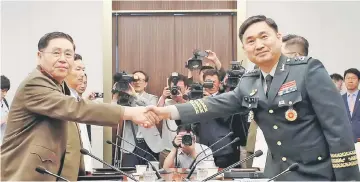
x=187, y=140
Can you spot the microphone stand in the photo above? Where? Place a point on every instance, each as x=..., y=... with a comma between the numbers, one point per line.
x=117, y=157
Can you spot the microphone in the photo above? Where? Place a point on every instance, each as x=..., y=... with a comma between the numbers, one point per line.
x=193, y=168
x=152, y=166
x=86, y=152
x=256, y=154
x=42, y=170
x=292, y=167
x=193, y=162
x=137, y=147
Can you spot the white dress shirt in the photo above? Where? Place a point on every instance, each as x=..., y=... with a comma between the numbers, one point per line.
x=84, y=138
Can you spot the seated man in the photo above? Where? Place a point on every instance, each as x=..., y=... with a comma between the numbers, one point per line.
x=182, y=154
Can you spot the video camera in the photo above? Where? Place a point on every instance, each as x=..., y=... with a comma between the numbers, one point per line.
x=122, y=81
x=121, y=86
x=197, y=90
x=196, y=61
x=234, y=74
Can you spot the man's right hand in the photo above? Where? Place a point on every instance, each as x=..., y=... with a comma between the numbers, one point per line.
x=166, y=92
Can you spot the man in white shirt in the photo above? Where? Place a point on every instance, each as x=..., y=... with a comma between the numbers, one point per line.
x=182, y=153
x=5, y=87
x=77, y=132
x=169, y=127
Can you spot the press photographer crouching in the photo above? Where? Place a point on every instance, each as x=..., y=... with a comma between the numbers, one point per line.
x=174, y=93
x=129, y=90
x=185, y=149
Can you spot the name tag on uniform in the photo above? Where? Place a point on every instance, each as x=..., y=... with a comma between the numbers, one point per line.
x=287, y=88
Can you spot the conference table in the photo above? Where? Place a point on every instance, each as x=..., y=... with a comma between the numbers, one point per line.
x=174, y=174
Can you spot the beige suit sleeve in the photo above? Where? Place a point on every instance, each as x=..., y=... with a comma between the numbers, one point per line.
x=42, y=96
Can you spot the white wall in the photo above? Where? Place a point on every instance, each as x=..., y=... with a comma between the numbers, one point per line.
x=24, y=22
x=331, y=27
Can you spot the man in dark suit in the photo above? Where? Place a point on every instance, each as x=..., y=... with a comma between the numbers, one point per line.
x=212, y=130
x=352, y=99
x=295, y=104
x=36, y=132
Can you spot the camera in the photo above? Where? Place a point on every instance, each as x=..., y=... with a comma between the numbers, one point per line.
x=208, y=84
x=174, y=78
x=186, y=139
x=234, y=74
x=196, y=61
x=196, y=91
x=122, y=81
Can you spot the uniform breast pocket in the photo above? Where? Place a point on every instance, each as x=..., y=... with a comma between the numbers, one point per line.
x=289, y=99
x=43, y=157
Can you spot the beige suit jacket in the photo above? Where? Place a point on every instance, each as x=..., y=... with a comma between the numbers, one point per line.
x=36, y=132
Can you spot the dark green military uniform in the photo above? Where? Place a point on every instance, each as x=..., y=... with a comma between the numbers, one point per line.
x=303, y=119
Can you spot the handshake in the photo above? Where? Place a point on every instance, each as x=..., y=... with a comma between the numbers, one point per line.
x=147, y=116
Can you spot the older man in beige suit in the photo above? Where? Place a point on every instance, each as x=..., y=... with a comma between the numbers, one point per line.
x=36, y=133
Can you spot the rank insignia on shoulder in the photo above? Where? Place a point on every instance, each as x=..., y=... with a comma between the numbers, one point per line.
x=254, y=72
x=298, y=60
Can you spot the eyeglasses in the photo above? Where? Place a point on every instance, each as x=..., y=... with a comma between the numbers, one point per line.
x=57, y=54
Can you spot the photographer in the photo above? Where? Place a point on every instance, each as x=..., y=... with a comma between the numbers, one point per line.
x=146, y=138
x=218, y=129
x=211, y=61
x=185, y=149
x=167, y=98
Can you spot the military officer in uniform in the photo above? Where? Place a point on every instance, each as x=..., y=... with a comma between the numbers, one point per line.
x=295, y=104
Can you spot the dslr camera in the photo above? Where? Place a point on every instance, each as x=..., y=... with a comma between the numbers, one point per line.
x=187, y=139
x=174, y=78
x=196, y=61
x=234, y=74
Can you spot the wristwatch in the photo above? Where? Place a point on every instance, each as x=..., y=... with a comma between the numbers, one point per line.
x=174, y=144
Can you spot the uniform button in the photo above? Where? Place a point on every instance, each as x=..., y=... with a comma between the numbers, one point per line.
x=290, y=102
x=319, y=158
x=283, y=159
x=271, y=111
x=278, y=143
x=275, y=127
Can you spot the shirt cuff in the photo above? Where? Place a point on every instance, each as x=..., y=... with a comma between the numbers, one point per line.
x=174, y=112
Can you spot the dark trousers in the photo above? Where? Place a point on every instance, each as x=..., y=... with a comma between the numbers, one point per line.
x=130, y=160
x=226, y=160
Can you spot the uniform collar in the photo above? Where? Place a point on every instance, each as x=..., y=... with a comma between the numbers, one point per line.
x=272, y=72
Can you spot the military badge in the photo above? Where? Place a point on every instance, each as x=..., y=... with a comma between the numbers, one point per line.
x=291, y=114
x=287, y=88
x=253, y=92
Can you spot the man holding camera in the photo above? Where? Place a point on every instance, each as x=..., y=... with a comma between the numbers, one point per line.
x=219, y=128
x=146, y=138
x=172, y=94
x=185, y=149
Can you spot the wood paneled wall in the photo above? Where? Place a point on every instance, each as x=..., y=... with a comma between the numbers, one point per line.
x=160, y=45
x=172, y=5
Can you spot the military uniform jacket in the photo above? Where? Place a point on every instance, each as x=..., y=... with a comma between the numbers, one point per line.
x=36, y=132
x=316, y=133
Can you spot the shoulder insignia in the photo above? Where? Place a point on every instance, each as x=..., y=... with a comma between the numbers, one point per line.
x=298, y=60
x=254, y=72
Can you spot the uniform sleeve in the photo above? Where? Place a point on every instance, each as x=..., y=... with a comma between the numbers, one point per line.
x=42, y=97
x=330, y=110
x=210, y=107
